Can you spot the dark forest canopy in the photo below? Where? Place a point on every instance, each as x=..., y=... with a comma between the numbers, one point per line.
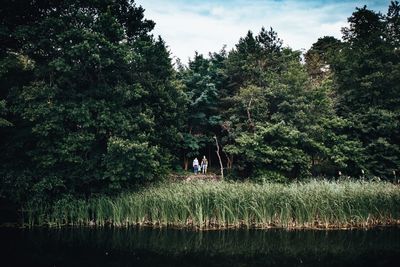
x=90, y=102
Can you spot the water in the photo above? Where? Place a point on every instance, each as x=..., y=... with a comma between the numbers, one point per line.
x=155, y=247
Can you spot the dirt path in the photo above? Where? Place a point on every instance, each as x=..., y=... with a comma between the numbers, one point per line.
x=210, y=176
x=192, y=177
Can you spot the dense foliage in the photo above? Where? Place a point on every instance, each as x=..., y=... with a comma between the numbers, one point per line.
x=90, y=102
x=90, y=95
x=336, y=113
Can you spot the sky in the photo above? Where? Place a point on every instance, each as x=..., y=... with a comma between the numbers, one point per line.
x=206, y=26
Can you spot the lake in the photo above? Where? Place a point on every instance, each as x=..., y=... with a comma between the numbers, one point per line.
x=170, y=247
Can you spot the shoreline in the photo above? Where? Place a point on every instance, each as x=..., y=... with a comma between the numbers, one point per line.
x=319, y=227
x=194, y=229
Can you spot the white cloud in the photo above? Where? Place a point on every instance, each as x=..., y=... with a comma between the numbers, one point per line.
x=206, y=26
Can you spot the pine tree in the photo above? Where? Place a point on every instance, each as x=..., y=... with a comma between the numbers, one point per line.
x=367, y=75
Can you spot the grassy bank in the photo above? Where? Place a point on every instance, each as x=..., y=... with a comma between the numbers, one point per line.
x=214, y=204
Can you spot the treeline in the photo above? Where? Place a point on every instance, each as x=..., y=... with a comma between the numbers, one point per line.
x=91, y=102
x=281, y=114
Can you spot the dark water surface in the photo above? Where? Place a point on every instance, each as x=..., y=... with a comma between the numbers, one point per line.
x=155, y=247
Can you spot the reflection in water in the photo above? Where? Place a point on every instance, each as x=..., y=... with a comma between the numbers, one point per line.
x=162, y=247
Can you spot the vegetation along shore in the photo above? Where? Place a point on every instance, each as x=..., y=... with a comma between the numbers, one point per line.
x=219, y=204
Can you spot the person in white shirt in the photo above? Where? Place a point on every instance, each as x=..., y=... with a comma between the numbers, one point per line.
x=195, y=165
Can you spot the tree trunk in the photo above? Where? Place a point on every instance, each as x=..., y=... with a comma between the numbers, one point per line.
x=185, y=163
x=219, y=157
x=229, y=159
x=209, y=156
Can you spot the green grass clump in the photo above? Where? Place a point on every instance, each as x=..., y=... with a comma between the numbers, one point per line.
x=212, y=204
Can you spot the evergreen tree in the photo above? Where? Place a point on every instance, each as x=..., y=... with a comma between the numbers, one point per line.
x=320, y=56
x=96, y=108
x=367, y=75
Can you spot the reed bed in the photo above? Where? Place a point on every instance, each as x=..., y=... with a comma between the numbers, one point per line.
x=219, y=204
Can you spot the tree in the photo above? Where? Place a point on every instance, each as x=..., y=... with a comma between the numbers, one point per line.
x=280, y=122
x=97, y=108
x=393, y=24
x=319, y=57
x=367, y=76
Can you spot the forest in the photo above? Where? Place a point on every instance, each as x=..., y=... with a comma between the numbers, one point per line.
x=92, y=104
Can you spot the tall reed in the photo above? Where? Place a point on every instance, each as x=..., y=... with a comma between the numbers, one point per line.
x=211, y=204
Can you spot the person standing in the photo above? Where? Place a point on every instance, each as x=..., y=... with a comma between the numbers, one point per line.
x=195, y=165
x=204, y=164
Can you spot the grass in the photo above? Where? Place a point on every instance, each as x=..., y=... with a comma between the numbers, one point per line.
x=212, y=204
